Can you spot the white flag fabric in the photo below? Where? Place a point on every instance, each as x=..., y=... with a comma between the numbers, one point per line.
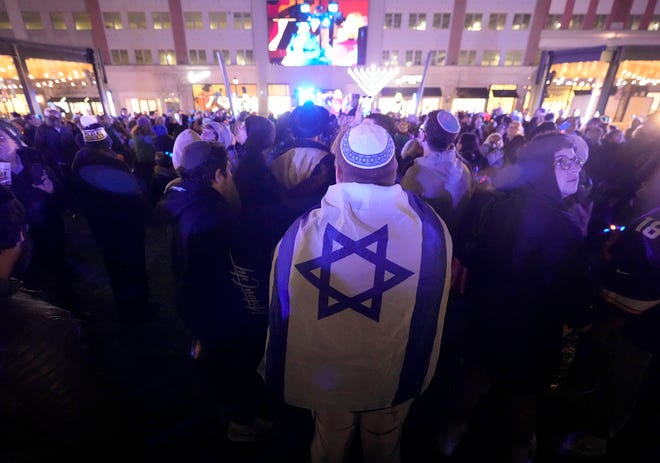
x=359, y=289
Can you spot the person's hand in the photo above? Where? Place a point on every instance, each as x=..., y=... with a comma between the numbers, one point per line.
x=46, y=184
x=459, y=274
x=582, y=215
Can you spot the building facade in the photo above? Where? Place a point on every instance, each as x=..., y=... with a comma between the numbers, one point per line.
x=475, y=55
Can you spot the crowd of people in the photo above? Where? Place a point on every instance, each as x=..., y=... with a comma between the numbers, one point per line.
x=343, y=264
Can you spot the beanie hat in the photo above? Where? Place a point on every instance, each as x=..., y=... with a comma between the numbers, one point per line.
x=260, y=133
x=200, y=156
x=160, y=130
x=185, y=138
x=309, y=120
x=87, y=120
x=94, y=133
x=143, y=121
x=195, y=154
x=367, y=155
x=222, y=131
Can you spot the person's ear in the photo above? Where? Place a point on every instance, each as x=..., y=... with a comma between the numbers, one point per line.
x=339, y=176
x=642, y=191
x=219, y=177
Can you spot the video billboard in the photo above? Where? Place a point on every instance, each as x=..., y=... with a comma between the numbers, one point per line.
x=317, y=32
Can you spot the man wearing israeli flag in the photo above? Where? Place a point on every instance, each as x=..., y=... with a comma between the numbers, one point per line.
x=359, y=289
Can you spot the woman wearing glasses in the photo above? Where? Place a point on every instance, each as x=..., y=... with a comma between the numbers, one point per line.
x=526, y=284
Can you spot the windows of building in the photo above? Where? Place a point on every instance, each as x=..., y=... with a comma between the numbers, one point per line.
x=137, y=20
x=441, y=20
x=81, y=21
x=633, y=22
x=513, y=58
x=225, y=56
x=439, y=58
x=392, y=20
x=577, y=22
x=57, y=21
x=390, y=57
x=197, y=56
x=654, y=25
x=112, y=20
x=467, y=57
x=497, y=21
x=161, y=20
x=413, y=57
x=217, y=20
x=490, y=58
x=5, y=24
x=166, y=57
x=119, y=56
x=554, y=21
x=193, y=19
x=600, y=21
x=521, y=21
x=143, y=57
x=32, y=20
x=417, y=21
x=244, y=57
x=243, y=21
x=473, y=21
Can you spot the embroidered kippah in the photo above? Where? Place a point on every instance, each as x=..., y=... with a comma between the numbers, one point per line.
x=367, y=146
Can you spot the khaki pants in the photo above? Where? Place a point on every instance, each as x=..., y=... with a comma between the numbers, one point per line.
x=380, y=433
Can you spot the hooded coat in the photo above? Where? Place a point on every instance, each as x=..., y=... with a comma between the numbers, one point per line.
x=531, y=275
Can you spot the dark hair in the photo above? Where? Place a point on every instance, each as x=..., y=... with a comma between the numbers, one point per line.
x=469, y=143
x=214, y=157
x=384, y=121
x=12, y=219
x=437, y=138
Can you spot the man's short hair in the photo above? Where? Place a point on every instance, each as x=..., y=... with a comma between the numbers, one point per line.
x=12, y=219
x=201, y=159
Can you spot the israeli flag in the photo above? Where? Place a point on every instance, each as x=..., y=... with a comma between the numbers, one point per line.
x=359, y=289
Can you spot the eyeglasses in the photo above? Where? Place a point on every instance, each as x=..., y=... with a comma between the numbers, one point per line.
x=421, y=130
x=566, y=163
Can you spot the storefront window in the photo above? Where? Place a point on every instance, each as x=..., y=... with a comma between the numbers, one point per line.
x=143, y=106
x=279, y=98
x=502, y=96
x=69, y=85
x=637, y=91
x=12, y=98
x=575, y=87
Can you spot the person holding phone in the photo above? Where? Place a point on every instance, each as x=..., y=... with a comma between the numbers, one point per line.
x=36, y=186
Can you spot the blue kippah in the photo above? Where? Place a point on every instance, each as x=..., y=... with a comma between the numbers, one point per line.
x=448, y=122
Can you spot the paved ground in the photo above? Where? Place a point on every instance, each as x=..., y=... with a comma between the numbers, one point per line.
x=177, y=417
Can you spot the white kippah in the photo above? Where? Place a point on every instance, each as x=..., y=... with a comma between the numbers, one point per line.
x=367, y=146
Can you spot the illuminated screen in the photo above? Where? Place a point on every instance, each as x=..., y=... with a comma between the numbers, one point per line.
x=317, y=32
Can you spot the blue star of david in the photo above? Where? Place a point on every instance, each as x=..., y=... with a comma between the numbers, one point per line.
x=359, y=247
